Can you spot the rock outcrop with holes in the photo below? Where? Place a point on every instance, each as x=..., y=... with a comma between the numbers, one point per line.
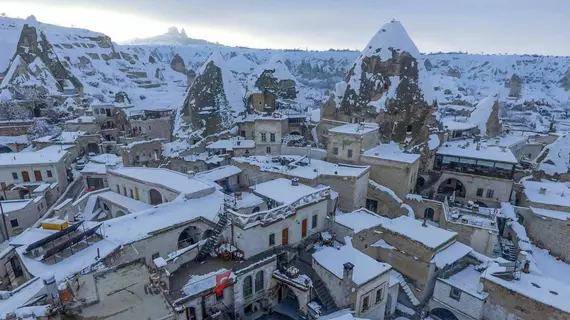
x=214, y=100
x=387, y=84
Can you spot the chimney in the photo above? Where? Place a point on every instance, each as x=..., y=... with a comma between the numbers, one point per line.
x=347, y=282
x=542, y=191
x=295, y=182
x=51, y=288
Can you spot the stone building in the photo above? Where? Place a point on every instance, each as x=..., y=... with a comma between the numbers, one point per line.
x=419, y=251
x=20, y=215
x=142, y=153
x=152, y=124
x=349, y=181
x=347, y=142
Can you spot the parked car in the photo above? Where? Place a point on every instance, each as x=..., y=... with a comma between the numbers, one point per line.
x=80, y=164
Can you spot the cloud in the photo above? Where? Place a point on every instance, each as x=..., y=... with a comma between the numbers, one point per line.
x=493, y=26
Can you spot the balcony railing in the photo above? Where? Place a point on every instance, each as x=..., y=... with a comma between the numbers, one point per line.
x=281, y=212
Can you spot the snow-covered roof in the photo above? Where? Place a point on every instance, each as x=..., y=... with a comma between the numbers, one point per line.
x=200, y=283
x=458, y=126
x=14, y=205
x=219, y=173
x=304, y=170
x=433, y=142
x=232, y=144
x=392, y=152
x=534, y=286
x=106, y=158
x=140, y=225
x=356, y=128
x=365, y=268
x=248, y=200
x=482, y=112
x=468, y=149
x=31, y=158
x=65, y=137
x=430, y=236
x=508, y=140
x=282, y=190
x=125, y=202
x=23, y=139
x=175, y=181
x=82, y=119
x=20, y=296
x=467, y=280
x=554, y=214
x=555, y=193
x=451, y=254
x=555, y=158
x=359, y=220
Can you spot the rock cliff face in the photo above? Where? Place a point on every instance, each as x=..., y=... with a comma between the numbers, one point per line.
x=215, y=98
x=387, y=84
x=486, y=117
x=515, y=86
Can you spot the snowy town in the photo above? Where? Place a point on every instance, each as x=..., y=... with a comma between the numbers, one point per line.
x=137, y=185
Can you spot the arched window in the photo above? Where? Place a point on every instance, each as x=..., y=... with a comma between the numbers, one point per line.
x=429, y=213
x=96, y=111
x=247, y=287
x=259, y=281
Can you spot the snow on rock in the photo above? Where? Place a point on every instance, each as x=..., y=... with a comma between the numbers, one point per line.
x=507, y=210
x=433, y=142
x=241, y=64
x=555, y=158
x=392, y=194
x=482, y=115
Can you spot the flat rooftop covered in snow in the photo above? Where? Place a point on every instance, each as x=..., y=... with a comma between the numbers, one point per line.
x=219, y=173
x=175, y=181
x=31, y=158
x=298, y=166
x=458, y=126
x=430, y=236
x=359, y=220
x=468, y=149
x=14, y=205
x=232, y=144
x=355, y=128
x=451, y=254
x=467, y=280
x=82, y=119
x=282, y=190
x=63, y=137
x=555, y=193
x=365, y=268
x=392, y=152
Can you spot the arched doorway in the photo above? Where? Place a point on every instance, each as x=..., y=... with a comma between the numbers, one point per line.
x=208, y=233
x=188, y=237
x=92, y=147
x=155, y=196
x=429, y=213
x=451, y=185
x=443, y=314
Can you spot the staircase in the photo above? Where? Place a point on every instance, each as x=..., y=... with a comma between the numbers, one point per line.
x=404, y=286
x=323, y=293
x=213, y=239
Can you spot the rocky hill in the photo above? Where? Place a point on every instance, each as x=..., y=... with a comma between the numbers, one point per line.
x=531, y=90
x=172, y=37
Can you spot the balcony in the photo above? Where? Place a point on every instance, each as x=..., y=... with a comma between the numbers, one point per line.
x=486, y=168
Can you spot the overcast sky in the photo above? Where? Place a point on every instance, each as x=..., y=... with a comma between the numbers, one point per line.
x=490, y=26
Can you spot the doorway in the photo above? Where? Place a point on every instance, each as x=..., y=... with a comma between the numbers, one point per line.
x=26, y=176
x=285, y=237
x=304, y=228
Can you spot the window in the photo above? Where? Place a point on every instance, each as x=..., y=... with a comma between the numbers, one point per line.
x=263, y=137
x=272, y=137
x=479, y=192
x=131, y=193
x=155, y=255
x=349, y=152
x=455, y=294
x=247, y=287
x=49, y=174
x=379, y=293
x=15, y=175
x=124, y=191
x=148, y=127
x=272, y=239
x=314, y=222
x=335, y=150
x=365, y=304
x=259, y=281
x=409, y=128
x=14, y=223
x=248, y=309
x=490, y=193
x=268, y=149
x=38, y=175
x=191, y=312
x=372, y=205
x=118, y=189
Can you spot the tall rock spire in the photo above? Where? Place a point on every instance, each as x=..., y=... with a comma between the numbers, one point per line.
x=387, y=84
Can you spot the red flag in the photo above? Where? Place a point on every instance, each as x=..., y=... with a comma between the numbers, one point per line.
x=222, y=281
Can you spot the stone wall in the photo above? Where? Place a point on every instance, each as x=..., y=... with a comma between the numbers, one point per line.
x=501, y=187
x=154, y=128
x=507, y=304
x=398, y=176
x=387, y=205
x=481, y=240
x=467, y=308
x=550, y=233
x=269, y=283
x=138, y=154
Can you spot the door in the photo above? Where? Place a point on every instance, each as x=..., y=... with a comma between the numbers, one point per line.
x=304, y=228
x=38, y=175
x=285, y=237
x=26, y=176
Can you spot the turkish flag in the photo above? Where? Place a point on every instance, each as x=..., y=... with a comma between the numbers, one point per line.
x=222, y=281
